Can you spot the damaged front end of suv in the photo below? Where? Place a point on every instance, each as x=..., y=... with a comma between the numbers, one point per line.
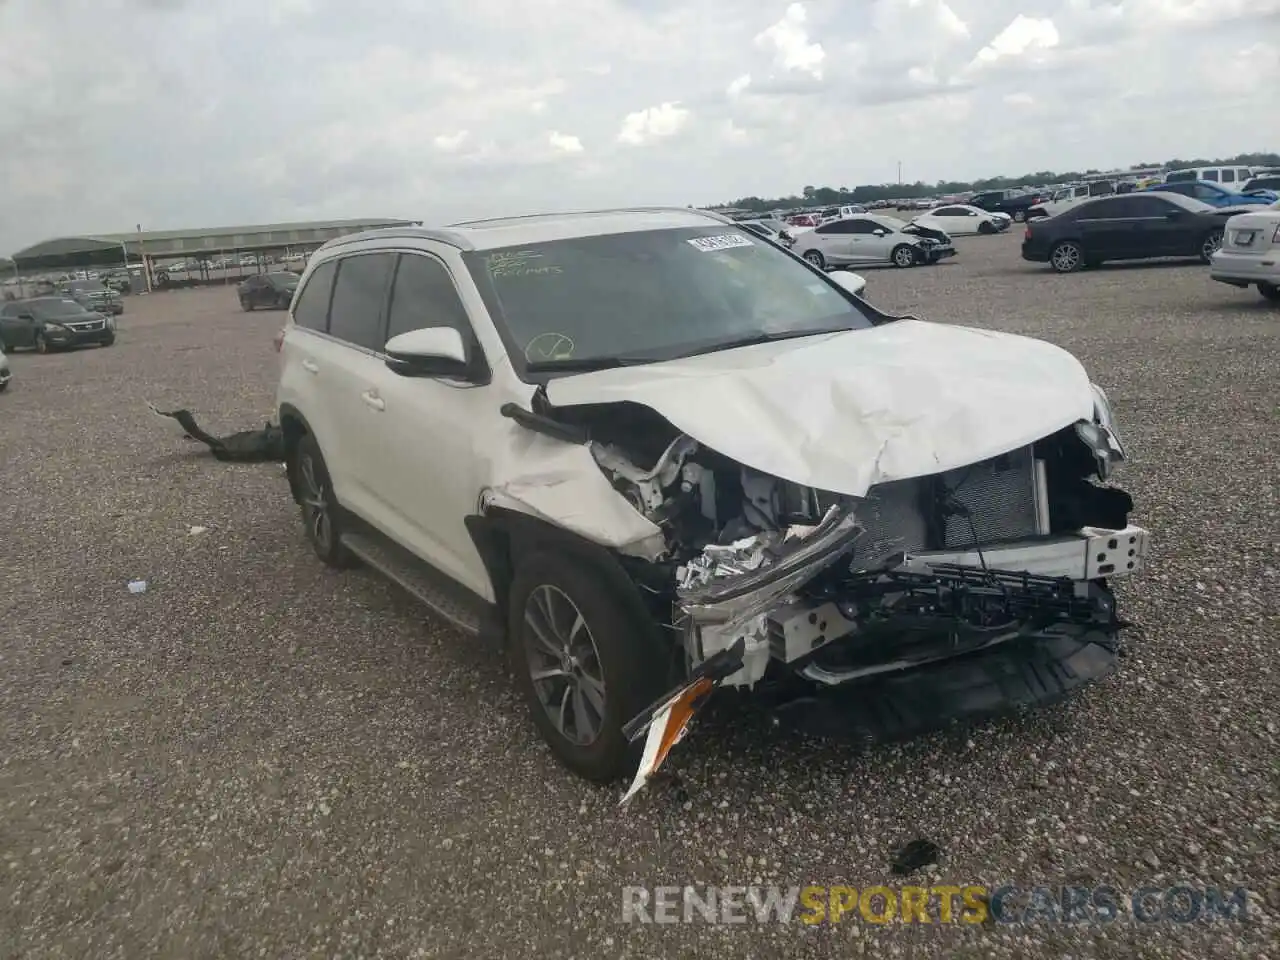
x=910, y=585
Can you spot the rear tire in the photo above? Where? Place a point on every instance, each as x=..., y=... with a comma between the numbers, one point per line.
x=1019, y=216
x=985, y=227
x=41, y=344
x=1270, y=292
x=1209, y=246
x=904, y=255
x=321, y=516
x=245, y=305
x=1066, y=257
x=600, y=665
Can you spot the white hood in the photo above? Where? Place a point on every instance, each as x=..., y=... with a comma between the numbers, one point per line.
x=842, y=412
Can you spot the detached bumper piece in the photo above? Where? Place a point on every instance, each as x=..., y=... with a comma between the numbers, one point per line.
x=1030, y=672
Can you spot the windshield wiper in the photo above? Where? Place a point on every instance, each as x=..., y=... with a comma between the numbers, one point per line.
x=584, y=364
x=762, y=336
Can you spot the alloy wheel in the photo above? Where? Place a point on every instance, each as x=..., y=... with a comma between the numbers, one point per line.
x=1066, y=257
x=315, y=504
x=564, y=664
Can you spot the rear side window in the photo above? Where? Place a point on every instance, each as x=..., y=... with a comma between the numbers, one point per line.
x=1228, y=176
x=1210, y=175
x=424, y=296
x=359, y=296
x=312, y=308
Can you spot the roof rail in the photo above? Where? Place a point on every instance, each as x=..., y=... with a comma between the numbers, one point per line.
x=450, y=237
x=580, y=213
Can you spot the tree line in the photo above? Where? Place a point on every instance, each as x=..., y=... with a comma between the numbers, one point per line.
x=871, y=192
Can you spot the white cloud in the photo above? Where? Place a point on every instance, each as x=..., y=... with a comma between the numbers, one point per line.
x=329, y=114
x=564, y=143
x=788, y=39
x=653, y=123
x=450, y=141
x=1023, y=35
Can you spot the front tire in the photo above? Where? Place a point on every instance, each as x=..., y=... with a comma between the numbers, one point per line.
x=1019, y=216
x=585, y=663
x=320, y=513
x=904, y=256
x=109, y=341
x=42, y=345
x=1066, y=257
x=985, y=227
x=1270, y=292
x=816, y=258
x=1209, y=246
x=245, y=305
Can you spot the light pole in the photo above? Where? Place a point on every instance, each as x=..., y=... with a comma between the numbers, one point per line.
x=142, y=252
x=899, y=173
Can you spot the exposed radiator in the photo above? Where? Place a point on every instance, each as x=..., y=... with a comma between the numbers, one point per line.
x=998, y=496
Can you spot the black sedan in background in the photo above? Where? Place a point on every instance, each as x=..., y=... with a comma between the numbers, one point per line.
x=268, y=290
x=53, y=323
x=1132, y=226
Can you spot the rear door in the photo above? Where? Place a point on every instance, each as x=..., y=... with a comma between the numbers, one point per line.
x=352, y=360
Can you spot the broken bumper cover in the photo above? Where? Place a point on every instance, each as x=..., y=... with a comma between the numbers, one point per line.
x=1030, y=673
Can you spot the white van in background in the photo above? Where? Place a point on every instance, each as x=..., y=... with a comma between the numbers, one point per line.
x=1229, y=175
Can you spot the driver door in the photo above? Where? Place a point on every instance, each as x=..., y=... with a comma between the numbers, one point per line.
x=432, y=433
x=869, y=241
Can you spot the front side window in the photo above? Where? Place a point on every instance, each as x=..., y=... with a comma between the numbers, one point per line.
x=359, y=296
x=1205, y=192
x=1210, y=175
x=424, y=295
x=1228, y=176
x=651, y=295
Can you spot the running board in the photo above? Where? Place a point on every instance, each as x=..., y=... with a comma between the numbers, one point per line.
x=418, y=581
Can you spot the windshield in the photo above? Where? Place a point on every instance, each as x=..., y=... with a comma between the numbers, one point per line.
x=52, y=309
x=651, y=295
x=85, y=286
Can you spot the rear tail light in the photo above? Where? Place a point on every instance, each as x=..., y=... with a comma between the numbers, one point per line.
x=1026, y=234
x=279, y=340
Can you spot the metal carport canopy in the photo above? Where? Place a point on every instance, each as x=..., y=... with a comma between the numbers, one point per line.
x=67, y=252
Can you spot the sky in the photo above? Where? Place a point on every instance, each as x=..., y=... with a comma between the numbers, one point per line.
x=179, y=114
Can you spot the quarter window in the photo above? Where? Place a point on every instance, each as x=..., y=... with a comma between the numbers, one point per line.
x=359, y=297
x=312, y=309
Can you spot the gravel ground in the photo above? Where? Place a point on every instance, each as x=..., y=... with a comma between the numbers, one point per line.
x=260, y=757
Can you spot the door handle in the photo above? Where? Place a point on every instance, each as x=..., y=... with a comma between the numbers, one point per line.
x=373, y=400
x=310, y=366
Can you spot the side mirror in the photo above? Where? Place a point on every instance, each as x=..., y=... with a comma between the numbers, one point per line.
x=879, y=232
x=850, y=282
x=1174, y=214
x=429, y=352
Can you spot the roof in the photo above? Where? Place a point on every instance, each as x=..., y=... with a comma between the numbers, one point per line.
x=544, y=227
x=111, y=247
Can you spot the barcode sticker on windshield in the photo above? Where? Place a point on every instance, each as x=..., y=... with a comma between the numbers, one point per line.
x=721, y=241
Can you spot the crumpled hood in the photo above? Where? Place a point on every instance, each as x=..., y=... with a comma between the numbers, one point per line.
x=845, y=411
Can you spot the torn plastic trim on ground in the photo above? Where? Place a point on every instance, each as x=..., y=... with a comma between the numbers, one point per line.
x=246, y=446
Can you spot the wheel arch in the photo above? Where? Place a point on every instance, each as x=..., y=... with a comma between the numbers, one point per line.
x=504, y=538
x=293, y=427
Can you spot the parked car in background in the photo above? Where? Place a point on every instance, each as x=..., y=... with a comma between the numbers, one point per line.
x=872, y=238
x=94, y=295
x=1269, y=182
x=1228, y=175
x=804, y=219
x=654, y=454
x=1134, y=226
x=1059, y=200
x=961, y=220
x=6, y=374
x=1015, y=203
x=1250, y=252
x=268, y=290
x=53, y=323
x=1213, y=194
x=776, y=230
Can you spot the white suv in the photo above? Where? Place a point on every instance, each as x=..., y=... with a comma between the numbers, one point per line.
x=659, y=454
